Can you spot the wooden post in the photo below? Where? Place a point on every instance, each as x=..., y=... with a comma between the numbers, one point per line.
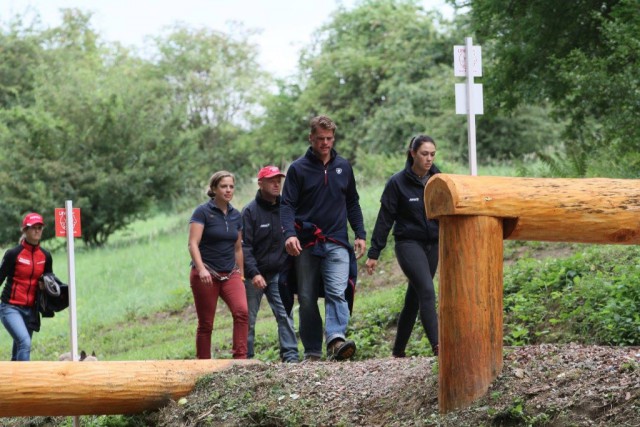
x=476, y=212
x=99, y=388
x=470, y=301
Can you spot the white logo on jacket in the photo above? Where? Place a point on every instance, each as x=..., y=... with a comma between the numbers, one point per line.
x=338, y=171
x=24, y=260
x=265, y=225
x=414, y=199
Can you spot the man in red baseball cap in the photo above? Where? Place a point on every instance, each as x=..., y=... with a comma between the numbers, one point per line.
x=270, y=172
x=264, y=255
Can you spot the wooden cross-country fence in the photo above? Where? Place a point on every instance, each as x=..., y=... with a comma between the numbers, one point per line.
x=476, y=214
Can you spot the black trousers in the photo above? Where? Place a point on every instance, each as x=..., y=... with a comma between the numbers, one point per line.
x=418, y=262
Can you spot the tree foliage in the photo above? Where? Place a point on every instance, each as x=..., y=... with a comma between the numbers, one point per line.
x=582, y=56
x=114, y=133
x=218, y=78
x=383, y=71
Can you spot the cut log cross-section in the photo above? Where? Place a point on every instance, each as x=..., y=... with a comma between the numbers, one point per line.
x=476, y=214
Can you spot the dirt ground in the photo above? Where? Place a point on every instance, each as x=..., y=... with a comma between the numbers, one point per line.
x=545, y=385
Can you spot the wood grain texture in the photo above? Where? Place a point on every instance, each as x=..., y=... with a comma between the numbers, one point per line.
x=595, y=210
x=470, y=308
x=99, y=388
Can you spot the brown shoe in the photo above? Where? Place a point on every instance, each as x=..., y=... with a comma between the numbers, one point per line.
x=340, y=349
x=309, y=359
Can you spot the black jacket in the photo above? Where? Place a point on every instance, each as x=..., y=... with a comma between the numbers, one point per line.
x=262, y=238
x=324, y=195
x=402, y=203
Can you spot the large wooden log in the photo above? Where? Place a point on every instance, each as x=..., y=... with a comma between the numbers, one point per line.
x=475, y=212
x=596, y=210
x=98, y=388
x=470, y=308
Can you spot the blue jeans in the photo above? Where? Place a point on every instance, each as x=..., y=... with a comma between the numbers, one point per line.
x=15, y=319
x=286, y=331
x=332, y=271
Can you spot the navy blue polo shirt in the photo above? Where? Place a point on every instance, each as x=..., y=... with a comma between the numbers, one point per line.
x=217, y=245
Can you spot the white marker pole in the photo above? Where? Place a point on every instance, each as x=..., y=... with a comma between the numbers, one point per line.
x=73, y=324
x=471, y=118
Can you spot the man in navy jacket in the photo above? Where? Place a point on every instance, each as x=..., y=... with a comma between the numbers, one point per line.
x=264, y=256
x=320, y=189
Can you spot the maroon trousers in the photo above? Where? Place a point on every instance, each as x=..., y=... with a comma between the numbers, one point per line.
x=233, y=293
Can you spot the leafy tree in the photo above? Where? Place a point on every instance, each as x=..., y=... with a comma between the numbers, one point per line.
x=371, y=70
x=102, y=131
x=582, y=56
x=217, y=77
x=383, y=71
x=21, y=51
x=281, y=131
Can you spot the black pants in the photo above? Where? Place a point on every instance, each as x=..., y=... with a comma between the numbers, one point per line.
x=418, y=262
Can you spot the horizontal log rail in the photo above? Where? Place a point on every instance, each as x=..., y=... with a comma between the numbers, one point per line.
x=476, y=214
x=595, y=210
x=99, y=388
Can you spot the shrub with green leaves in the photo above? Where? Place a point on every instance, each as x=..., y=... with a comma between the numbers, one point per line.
x=592, y=297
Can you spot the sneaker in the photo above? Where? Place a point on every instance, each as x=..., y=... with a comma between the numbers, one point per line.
x=340, y=349
x=436, y=350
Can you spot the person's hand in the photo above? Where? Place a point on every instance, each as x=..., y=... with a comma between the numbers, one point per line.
x=205, y=276
x=292, y=246
x=371, y=265
x=259, y=282
x=359, y=246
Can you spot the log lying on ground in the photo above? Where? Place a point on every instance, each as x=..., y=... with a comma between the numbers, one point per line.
x=99, y=388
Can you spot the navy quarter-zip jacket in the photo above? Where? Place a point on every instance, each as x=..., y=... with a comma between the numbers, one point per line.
x=324, y=195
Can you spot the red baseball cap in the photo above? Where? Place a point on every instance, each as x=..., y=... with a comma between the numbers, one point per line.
x=32, y=219
x=269, y=172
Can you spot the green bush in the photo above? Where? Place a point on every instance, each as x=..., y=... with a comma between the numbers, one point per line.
x=592, y=297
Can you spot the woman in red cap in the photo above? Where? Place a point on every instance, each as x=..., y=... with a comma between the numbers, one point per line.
x=22, y=267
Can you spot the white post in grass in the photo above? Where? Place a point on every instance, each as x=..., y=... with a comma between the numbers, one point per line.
x=73, y=324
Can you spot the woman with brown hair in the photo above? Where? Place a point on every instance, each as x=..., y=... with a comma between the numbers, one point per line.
x=217, y=267
x=416, y=241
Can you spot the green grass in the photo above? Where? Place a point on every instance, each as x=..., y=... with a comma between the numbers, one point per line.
x=132, y=293
x=134, y=301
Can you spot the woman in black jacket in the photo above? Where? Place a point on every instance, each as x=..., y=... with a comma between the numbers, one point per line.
x=416, y=241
